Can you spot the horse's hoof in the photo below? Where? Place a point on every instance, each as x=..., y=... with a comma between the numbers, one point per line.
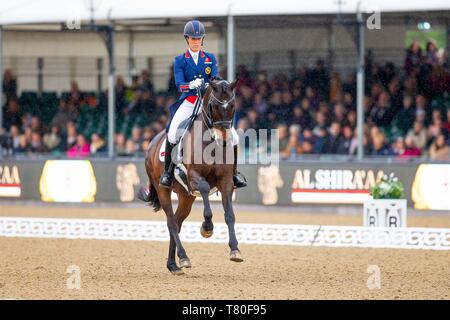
x=235, y=255
x=177, y=272
x=185, y=263
x=204, y=233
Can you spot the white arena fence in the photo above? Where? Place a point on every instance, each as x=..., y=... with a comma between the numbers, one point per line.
x=261, y=234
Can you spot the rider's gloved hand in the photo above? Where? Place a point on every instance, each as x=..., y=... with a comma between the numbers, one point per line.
x=194, y=84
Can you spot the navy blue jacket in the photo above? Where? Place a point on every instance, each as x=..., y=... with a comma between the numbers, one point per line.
x=185, y=70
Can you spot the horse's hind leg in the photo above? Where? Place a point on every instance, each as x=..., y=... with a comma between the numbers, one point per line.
x=200, y=184
x=185, y=202
x=175, y=243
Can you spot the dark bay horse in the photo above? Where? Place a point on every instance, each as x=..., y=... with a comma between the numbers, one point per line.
x=213, y=171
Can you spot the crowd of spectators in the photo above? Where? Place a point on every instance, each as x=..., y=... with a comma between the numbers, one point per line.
x=406, y=110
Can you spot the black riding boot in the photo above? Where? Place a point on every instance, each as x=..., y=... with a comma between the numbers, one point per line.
x=238, y=179
x=167, y=177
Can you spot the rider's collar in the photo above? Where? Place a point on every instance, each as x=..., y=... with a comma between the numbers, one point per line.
x=189, y=53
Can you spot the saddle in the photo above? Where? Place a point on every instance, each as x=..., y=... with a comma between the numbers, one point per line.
x=180, y=171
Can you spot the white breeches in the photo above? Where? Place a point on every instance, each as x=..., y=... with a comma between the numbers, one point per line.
x=184, y=111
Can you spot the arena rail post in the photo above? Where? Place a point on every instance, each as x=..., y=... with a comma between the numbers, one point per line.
x=360, y=84
x=230, y=49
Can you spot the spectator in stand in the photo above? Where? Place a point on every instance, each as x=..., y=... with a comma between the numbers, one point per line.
x=398, y=147
x=52, y=140
x=413, y=58
x=275, y=107
x=313, y=97
x=431, y=54
x=148, y=134
x=71, y=135
x=333, y=143
x=27, y=133
x=346, y=141
x=351, y=119
x=283, y=141
x=244, y=78
x=421, y=116
x=120, y=144
x=247, y=97
x=319, y=79
x=254, y=120
x=396, y=95
x=339, y=113
x=136, y=137
x=349, y=102
x=382, y=113
x=24, y=145
x=121, y=94
x=421, y=104
x=12, y=115
x=36, y=124
x=380, y=147
x=130, y=148
x=353, y=149
x=144, y=146
x=320, y=137
x=15, y=136
x=435, y=128
x=404, y=119
x=75, y=96
x=439, y=81
x=321, y=123
x=294, y=147
x=63, y=115
x=260, y=105
x=98, y=144
x=9, y=85
x=335, y=88
x=36, y=145
x=418, y=134
x=446, y=125
x=439, y=149
x=81, y=149
x=410, y=149
x=298, y=117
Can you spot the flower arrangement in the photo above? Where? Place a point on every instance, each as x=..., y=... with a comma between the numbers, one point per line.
x=387, y=188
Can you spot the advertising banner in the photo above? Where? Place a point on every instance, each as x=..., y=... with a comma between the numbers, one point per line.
x=426, y=186
x=10, y=183
x=431, y=187
x=68, y=181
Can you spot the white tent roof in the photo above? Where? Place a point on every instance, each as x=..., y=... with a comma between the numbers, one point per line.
x=58, y=11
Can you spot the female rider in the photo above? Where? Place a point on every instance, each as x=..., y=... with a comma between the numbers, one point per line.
x=191, y=70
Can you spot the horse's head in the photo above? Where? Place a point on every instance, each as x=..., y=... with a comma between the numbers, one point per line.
x=219, y=105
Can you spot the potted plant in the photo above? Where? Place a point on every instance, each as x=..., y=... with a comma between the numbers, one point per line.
x=387, y=188
x=387, y=208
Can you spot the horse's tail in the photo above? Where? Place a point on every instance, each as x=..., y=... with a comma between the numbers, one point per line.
x=151, y=196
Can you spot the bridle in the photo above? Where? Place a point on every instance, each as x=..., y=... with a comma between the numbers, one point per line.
x=207, y=112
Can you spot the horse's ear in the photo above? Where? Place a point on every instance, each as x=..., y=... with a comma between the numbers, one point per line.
x=234, y=84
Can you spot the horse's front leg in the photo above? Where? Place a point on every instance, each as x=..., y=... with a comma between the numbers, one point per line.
x=200, y=184
x=227, y=202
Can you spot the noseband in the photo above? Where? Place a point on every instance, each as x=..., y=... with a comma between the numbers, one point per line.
x=226, y=124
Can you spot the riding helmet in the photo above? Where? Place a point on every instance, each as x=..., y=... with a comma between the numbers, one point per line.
x=194, y=29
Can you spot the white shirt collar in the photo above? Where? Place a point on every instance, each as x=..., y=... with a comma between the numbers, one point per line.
x=194, y=55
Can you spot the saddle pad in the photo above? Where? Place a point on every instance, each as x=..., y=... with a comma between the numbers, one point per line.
x=180, y=174
x=162, y=150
